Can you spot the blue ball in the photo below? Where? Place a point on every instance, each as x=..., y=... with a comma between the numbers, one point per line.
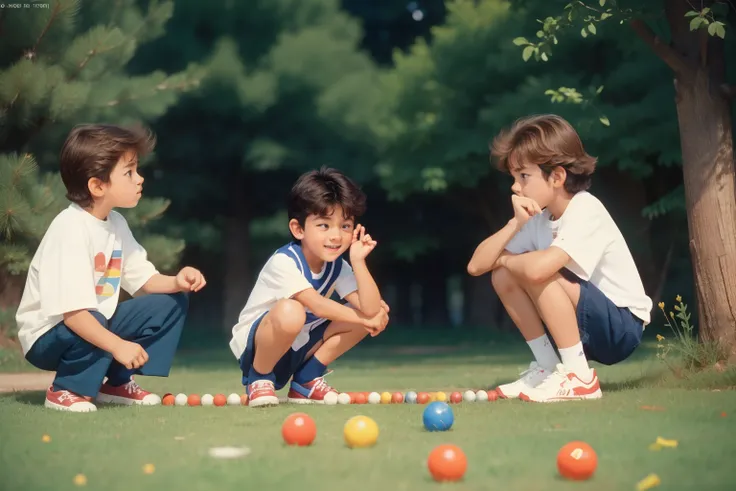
x=438, y=417
x=411, y=397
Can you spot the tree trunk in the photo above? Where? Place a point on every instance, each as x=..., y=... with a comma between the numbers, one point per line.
x=704, y=117
x=237, y=278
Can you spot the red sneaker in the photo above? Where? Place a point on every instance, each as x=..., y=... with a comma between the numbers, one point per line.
x=310, y=393
x=127, y=394
x=262, y=393
x=63, y=400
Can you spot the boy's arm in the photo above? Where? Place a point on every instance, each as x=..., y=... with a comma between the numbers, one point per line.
x=336, y=312
x=536, y=266
x=489, y=252
x=370, y=297
x=188, y=279
x=84, y=325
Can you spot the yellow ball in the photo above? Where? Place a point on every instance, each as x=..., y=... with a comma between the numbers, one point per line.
x=385, y=398
x=360, y=431
x=441, y=397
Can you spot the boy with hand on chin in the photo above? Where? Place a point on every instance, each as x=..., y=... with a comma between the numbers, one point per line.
x=69, y=318
x=562, y=262
x=289, y=327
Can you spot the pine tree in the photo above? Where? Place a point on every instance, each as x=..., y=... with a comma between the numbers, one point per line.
x=65, y=65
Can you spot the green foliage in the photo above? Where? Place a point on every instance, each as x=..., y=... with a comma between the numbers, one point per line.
x=62, y=66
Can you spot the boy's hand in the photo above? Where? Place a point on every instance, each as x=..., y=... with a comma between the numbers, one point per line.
x=376, y=324
x=190, y=280
x=524, y=209
x=130, y=355
x=362, y=244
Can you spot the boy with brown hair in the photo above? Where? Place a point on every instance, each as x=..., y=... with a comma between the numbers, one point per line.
x=69, y=317
x=562, y=262
x=290, y=328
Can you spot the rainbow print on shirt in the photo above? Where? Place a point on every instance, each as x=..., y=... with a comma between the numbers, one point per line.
x=108, y=284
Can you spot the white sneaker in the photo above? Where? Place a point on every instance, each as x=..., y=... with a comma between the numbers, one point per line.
x=562, y=385
x=530, y=378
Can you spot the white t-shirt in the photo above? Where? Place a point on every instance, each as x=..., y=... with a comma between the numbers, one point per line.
x=81, y=263
x=598, y=251
x=283, y=276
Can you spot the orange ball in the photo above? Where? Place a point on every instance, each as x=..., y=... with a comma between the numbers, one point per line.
x=299, y=429
x=243, y=399
x=422, y=398
x=492, y=395
x=194, y=400
x=219, y=400
x=577, y=460
x=456, y=398
x=168, y=400
x=447, y=463
x=360, y=398
x=397, y=397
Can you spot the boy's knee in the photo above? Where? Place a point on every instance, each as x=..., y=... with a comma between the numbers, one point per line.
x=289, y=315
x=503, y=280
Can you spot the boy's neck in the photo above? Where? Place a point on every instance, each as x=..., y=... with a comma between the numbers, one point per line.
x=99, y=210
x=558, y=206
x=315, y=263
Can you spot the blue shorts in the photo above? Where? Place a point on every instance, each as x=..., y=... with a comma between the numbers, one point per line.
x=609, y=334
x=289, y=363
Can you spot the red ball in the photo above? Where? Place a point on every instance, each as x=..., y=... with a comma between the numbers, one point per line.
x=299, y=429
x=456, y=398
x=422, y=398
x=492, y=395
x=360, y=398
x=243, y=399
x=577, y=460
x=168, y=400
x=447, y=463
x=219, y=400
x=194, y=400
x=397, y=397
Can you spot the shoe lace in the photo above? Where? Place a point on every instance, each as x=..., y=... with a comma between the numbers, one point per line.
x=321, y=385
x=530, y=372
x=133, y=388
x=555, y=378
x=69, y=396
x=261, y=385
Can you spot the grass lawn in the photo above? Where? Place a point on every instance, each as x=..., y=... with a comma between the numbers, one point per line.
x=509, y=445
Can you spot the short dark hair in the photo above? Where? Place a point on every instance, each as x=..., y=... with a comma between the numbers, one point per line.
x=548, y=141
x=93, y=151
x=317, y=191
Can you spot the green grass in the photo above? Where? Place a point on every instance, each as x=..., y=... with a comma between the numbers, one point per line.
x=510, y=445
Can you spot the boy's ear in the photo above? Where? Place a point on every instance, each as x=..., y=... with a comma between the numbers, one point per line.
x=96, y=187
x=558, y=175
x=296, y=230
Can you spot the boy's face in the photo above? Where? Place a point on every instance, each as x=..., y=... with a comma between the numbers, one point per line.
x=530, y=182
x=125, y=187
x=326, y=237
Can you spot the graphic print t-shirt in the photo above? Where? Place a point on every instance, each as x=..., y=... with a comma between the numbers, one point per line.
x=81, y=263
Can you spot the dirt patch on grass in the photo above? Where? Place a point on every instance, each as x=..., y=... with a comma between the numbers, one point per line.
x=12, y=382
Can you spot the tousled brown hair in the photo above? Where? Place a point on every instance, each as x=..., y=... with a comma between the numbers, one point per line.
x=317, y=192
x=93, y=151
x=548, y=141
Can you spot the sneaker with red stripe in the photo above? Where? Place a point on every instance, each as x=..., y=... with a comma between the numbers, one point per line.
x=63, y=400
x=312, y=392
x=562, y=385
x=262, y=393
x=127, y=394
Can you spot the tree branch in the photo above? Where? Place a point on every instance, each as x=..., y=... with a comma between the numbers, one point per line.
x=676, y=62
x=52, y=17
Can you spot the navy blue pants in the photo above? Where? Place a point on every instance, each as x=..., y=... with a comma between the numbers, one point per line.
x=153, y=321
x=609, y=334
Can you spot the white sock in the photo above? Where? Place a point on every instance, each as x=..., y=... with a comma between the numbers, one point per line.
x=544, y=352
x=574, y=360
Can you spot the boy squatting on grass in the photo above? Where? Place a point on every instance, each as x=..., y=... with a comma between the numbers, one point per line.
x=562, y=261
x=69, y=318
x=289, y=326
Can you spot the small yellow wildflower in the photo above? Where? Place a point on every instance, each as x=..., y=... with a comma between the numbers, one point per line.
x=660, y=337
x=661, y=305
x=666, y=443
x=672, y=314
x=678, y=298
x=80, y=480
x=45, y=438
x=648, y=482
x=149, y=469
